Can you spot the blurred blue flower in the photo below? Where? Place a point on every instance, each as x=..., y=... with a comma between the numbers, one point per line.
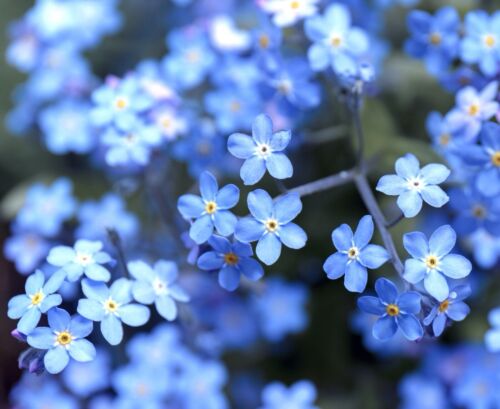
x=288, y=12
x=26, y=250
x=300, y=395
x=422, y=392
x=492, y=336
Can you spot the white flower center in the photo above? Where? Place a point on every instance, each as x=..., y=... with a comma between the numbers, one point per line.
x=263, y=150
x=415, y=184
x=111, y=306
x=84, y=259
x=159, y=286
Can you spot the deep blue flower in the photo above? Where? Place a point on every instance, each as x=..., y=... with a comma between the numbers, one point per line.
x=492, y=336
x=431, y=261
x=231, y=260
x=157, y=285
x=354, y=255
x=300, y=395
x=336, y=42
x=39, y=298
x=414, y=185
x=85, y=257
x=270, y=224
x=111, y=307
x=395, y=311
x=481, y=44
x=452, y=308
x=211, y=209
x=64, y=339
x=261, y=151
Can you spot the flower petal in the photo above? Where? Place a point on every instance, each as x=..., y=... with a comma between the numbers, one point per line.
x=240, y=145
x=410, y=203
x=262, y=128
x=386, y=290
x=371, y=305
x=279, y=166
x=392, y=185
x=190, y=206
x=260, y=204
x=455, y=266
x=342, y=237
x=293, y=236
x=410, y=326
x=364, y=232
x=82, y=350
x=435, y=284
x=416, y=244
x=373, y=256
x=112, y=329
x=414, y=271
x=201, y=230
x=434, y=196
x=335, y=265
x=252, y=170
x=55, y=360
x=248, y=229
x=355, y=277
x=227, y=197
x=225, y=222
x=134, y=315
x=229, y=278
x=268, y=249
x=442, y=241
x=287, y=207
x=208, y=186
x=407, y=166
x=384, y=328
x=166, y=308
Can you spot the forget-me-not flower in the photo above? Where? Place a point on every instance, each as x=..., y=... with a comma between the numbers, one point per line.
x=111, y=307
x=263, y=150
x=492, y=336
x=86, y=257
x=300, y=395
x=395, y=311
x=354, y=255
x=414, y=185
x=288, y=12
x=211, y=209
x=157, y=285
x=431, y=261
x=271, y=224
x=39, y=298
x=452, y=308
x=231, y=260
x=64, y=338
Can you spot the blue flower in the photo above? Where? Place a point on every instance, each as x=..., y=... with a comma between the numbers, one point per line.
x=300, y=395
x=232, y=260
x=157, y=285
x=261, y=151
x=271, y=224
x=481, y=44
x=486, y=158
x=413, y=185
x=85, y=257
x=211, y=209
x=336, y=42
x=431, y=261
x=492, y=336
x=354, y=255
x=395, y=311
x=16, y=246
x=452, y=308
x=111, y=307
x=39, y=298
x=434, y=38
x=64, y=339
x=288, y=12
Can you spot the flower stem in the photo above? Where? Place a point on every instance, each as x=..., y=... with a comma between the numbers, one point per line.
x=114, y=237
x=325, y=183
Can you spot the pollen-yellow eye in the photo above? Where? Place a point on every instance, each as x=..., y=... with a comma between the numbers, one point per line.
x=336, y=41
x=121, y=103
x=444, y=306
x=272, y=225
x=64, y=338
x=489, y=40
x=435, y=38
x=431, y=262
x=392, y=310
x=37, y=298
x=111, y=305
x=231, y=259
x=473, y=109
x=264, y=41
x=210, y=207
x=495, y=158
x=352, y=253
x=295, y=5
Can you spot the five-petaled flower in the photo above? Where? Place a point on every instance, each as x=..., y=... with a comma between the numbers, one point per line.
x=270, y=224
x=85, y=257
x=39, y=298
x=413, y=184
x=64, y=338
x=354, y=255
x=261, y=151
x=431, y=261
x=111, y=306
x=157, y=285
x=211, y=209
x=395, y=311
x=231, y=260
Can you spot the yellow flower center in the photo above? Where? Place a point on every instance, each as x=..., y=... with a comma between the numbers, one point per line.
x=392, y=310
x=37, y=298
x=473, y=109
x=336, y=41
x=489, y=40
x=444, y=306
x=431, y=262
x=231, y=259
x=272, y=225
x=479, y=211
x=264, y=41
x=121, y=103
x=495, y=158
x=210, y=207
x=444, y=139
x=352, y=253
x=64, y=338
x=294, y=5
x=111, y=306
x=435, y=38
x=235, y=106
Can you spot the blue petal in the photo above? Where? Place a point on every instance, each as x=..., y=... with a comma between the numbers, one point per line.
x=409, y=302
x=434, y=196
x=54, y=282
x=435, y=284
x=143, y=292
x=442, y=241
x=410, y=326
x=227, y=197
x=34, y=283
x=112, y=329
x=210, y=261
x=29, y=321
x=287, y=207
x=240, y=145
x=260, y=204
x=97, y=272
x=252, y=170
x=279, y=166
x=438, y=324
x=201, y=229
x=416, y=244
x=392, y=185
x=51, y=301
x=371, y=305
x=248, y=229
x=82, y=350
x=455, y=266
x=492, y=340
x=335, y=265
x=220, y=244
x=251, y=269
x=17, y=306
x=386, y=290
x=407, y=166
x=90, y=309
x=318, y=56
x=373, y=256
x=229, y=278
x=355, y=277
x=280, y=140
x=342, y=237
x=120, y=291
x=457, y=311
x=166, y=270
x=61, y=255
x=225, y=222
x=268, y=249
x=414, y=271
x=95, y=290
x=140, y=270
x=178, y=294
x=384, y=328
x=364, y=232
x=208, y=186
x=434, y=173
x=41, y=338
x=80, y=327
x=293, y=236
x=410, y=203
x=56, y=359
x=262, y=128
x=166, y=308
x=134, y=315
x=190, y=206
x=59, y=319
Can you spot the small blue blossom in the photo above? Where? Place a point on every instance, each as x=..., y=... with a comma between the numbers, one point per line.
x=231, y=260
x=492, y=336
x=431, y=261
x=211, y=209
x=85, y=257
x=64, y=339
x=157, y=285
x=26, y=250
x=39, y=298
x=452, y=308
x=300, y=395
x=261, y=151
x=111, y=307
x=288, y=12
x=336, y=42
x=395, y=311
x=414, y=185
x=481, y=44
x=354, y=255
x=271, y=224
